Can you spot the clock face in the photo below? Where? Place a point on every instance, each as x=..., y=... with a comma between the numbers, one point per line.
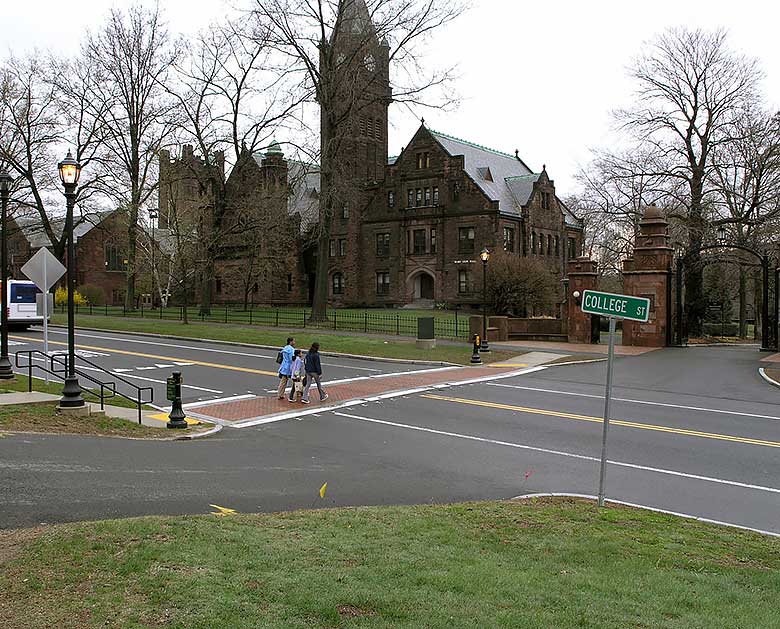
x=370, y=63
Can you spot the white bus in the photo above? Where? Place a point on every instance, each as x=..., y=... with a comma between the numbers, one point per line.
x=20, y=297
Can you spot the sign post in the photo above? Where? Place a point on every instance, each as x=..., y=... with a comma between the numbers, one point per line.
x=615, y=307
x=44, y=270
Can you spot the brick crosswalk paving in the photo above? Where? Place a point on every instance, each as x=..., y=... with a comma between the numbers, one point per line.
x=267, y=406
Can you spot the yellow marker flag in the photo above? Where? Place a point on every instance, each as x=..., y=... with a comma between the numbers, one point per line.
x=222, y=510
x=323, y=489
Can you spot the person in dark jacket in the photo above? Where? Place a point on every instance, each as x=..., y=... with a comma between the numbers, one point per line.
x=313, y=370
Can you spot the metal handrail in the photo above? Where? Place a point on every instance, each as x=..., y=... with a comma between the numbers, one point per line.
x=62, y=360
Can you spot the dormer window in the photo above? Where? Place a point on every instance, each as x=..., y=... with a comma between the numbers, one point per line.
x=391, y=198
x=485, y=173
x=423, y=160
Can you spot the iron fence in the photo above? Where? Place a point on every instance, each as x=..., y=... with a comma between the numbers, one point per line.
x=452, y=325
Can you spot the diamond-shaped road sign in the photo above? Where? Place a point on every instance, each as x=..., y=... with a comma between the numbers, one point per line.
x=44, y=269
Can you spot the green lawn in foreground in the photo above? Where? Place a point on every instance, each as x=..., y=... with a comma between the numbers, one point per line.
x=546, y=564
x=364, y=344
x=54, y=387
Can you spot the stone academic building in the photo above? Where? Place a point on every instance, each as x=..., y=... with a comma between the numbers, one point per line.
x=414, y=231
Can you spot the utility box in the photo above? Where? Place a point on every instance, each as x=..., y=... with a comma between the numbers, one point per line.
x=426, y=338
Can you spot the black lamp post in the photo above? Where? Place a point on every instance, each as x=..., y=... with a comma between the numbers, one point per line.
x=70, y=171
x=484, y=256
x=6, y=372
x=152, y=218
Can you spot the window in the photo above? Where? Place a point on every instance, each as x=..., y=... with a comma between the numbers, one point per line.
x=332, y=251
x=114, y=259
x=541, y=244
x=549, y=245
x=418, y=197
x=391, y=198
x=383, y=244
x=370, y=131
x=557, y=247
x=418, y=237
x=419, y=161
x=342, y=247
x=433, y=240
x=465, y=240
x=427, y=159
x=533, y=242
x=362, y=125
x=509, y=239
x=435, y=195
x=572, y=249
x=344, y=211
x=410, y=198
x=383, y=283
x=464, y=281
x=427, y=196
x=218, y=285
x=545, y=198
x=338, y=284
x=289, y=282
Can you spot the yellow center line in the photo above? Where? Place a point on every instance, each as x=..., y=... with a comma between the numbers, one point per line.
x=156, y=357
x=613, y=422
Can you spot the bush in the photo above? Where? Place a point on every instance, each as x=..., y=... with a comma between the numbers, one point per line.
x=94, y=295
x=516, y=285
x=716, y=329
x=61, y=297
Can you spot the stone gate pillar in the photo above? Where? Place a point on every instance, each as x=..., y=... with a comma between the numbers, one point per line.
x=582, y=276
x=647, y=274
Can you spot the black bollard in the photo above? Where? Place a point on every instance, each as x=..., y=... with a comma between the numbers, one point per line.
x=176, y=418
x=475, y=358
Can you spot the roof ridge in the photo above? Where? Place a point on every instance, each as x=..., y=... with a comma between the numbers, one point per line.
x=523, y=176
x=474, y=144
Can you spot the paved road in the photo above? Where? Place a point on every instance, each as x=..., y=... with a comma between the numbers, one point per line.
x=210, y=370
x=707, y=448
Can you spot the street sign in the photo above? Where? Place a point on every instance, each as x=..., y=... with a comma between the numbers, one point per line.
x=44, y=269
x=44, y=309
x=617, y=306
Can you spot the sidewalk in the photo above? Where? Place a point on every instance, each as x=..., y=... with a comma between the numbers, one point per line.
x=262, y=409
x=601, y=349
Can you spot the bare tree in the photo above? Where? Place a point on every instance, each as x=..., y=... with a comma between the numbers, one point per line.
x=232, y=94
x=331, y=43
x=691, y=89
x=131, y=54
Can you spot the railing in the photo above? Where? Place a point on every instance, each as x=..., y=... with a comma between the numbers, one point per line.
x=58, y=367
x=453, y=325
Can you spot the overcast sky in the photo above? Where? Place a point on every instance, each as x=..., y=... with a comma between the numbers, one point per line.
x=540, y=77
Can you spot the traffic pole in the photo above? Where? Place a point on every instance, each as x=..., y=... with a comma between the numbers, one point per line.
x=475, y=357
x=607, y=399
x=176, y=418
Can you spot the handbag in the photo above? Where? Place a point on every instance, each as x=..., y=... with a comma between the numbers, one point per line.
x=279, y=358
x=298, y=386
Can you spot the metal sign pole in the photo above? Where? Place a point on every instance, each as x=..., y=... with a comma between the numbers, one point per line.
x=45, y=321
x=607, y=399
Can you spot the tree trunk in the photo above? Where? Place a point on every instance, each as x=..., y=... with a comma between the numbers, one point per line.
x=205, y=287
x=742, y=302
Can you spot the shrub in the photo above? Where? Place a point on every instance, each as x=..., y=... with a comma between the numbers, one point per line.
x=61, y=297
x=94, y=295
x=716, y=329
x=516, y=285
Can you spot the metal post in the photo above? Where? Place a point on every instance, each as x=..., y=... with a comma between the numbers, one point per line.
x=71, y=392
x=607, y=399
x=679, y=300
x=475, y=357
x=484, y=347
x=6, y=371
x=765, y=343
x=176, y=418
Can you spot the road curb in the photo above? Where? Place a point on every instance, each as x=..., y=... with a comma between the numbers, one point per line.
x=762, y=373
x=201, y=435
x=172, y=337
x=653, y=509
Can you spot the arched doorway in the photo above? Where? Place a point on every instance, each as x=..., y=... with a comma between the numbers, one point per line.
x=424, y=286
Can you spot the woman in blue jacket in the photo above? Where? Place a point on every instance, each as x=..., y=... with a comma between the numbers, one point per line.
x=313, y=370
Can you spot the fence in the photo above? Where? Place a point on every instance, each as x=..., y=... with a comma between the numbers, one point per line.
x=451, y=325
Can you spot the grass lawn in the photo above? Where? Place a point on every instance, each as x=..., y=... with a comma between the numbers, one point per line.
x=357, y=344
x=549, y=563
x=55, y=388
x=44, y=417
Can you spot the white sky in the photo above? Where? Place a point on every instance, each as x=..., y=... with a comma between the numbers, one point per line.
x=541, y=77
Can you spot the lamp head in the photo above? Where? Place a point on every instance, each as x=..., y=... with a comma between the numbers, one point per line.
x=576, y=294
x=70, y=170
x=5, y=181
x=484, y=255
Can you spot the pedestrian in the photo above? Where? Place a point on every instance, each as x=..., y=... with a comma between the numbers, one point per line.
x=297, y=376
x=285, y=366
x=313, y=369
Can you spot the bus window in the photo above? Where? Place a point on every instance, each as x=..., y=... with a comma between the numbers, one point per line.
x=23, y=293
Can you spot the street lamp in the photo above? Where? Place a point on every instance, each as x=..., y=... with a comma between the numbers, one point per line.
x=6, y=372
x=484, y=255
x=70, y=171
x=153, y=217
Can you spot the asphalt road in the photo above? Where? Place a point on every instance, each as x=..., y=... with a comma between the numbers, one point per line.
x=693, y=431
x=210, y=370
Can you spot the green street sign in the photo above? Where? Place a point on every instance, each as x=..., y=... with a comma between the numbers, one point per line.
x=617, y=306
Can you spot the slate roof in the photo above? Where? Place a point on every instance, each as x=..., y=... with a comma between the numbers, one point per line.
x=304, y=199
